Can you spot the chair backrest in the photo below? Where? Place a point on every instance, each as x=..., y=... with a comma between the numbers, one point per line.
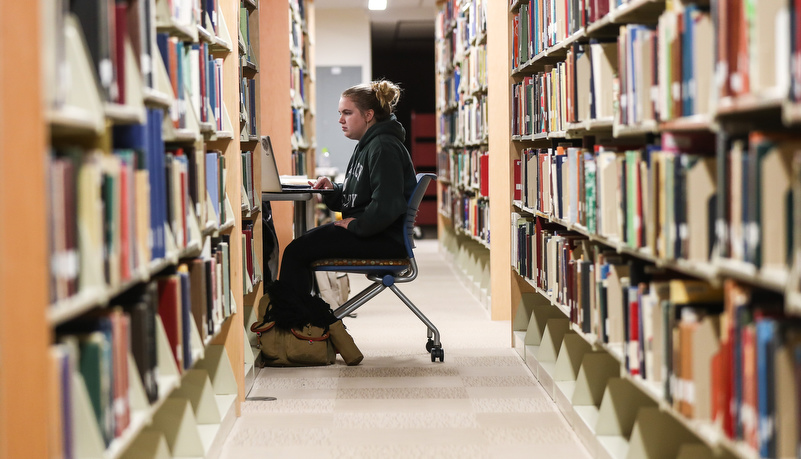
x=423, y=179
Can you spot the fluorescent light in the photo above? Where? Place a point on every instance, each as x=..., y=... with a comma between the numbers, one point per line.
x=377, y=5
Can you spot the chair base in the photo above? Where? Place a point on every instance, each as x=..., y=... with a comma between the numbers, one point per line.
x=433, y=346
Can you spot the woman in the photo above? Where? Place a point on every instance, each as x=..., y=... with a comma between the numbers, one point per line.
x=379, y=181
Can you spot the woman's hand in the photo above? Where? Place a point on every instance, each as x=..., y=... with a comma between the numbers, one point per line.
x=344, y=223
x=322, y=183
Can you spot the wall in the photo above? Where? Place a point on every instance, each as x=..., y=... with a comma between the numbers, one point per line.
x=342, y=38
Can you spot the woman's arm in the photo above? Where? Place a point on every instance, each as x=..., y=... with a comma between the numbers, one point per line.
x=387, y=200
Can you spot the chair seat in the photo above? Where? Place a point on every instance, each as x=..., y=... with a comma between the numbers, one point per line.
x=387, y=273
x=361, y=265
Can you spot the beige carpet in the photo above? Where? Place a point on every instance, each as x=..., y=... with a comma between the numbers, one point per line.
x=481, y=402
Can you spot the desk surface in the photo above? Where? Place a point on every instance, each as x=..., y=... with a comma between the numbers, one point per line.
x=292, y=195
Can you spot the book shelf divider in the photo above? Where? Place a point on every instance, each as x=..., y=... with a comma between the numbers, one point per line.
x=196, y=387
x=177, y=421
x=83, y=105
x=571, y=354
x=88, y=440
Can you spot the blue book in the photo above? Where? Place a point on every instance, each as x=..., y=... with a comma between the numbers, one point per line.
x=163, y=40
x=766, y=331
x=156, y=175
x=687, y=71
x=630, y=78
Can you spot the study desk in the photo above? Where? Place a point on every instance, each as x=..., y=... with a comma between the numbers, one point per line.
x=302, y=212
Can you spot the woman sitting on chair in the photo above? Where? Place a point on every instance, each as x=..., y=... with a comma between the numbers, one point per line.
x=379, y=180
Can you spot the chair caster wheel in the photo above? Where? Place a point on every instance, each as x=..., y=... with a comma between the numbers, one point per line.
x=429, y=345
x=437, y=353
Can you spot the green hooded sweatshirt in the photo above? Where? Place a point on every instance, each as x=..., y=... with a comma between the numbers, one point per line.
x=379, y=181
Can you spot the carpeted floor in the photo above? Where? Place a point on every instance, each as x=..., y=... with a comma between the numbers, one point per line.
x=481, y=402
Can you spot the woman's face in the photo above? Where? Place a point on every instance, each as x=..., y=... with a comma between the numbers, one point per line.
x=354, y=122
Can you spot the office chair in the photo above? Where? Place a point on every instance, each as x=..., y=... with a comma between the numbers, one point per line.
x=386, y=273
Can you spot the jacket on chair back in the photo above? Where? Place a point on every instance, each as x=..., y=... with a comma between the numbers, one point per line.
x=378, y=183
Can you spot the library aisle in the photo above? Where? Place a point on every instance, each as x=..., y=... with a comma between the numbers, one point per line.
x=481, y=402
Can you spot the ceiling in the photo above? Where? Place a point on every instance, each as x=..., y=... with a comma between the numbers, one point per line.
x=405, y=24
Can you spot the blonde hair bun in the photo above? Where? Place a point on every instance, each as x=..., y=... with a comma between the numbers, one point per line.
x=381, y=96
x=387, y=93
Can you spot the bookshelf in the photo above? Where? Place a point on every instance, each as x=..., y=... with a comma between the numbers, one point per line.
x=251, y=206
x=655, y=284
x=130, y=203
x=23, y=408
x=288, y=112
x=463, y=143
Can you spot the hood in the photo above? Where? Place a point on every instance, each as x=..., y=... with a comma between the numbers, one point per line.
x=390, y=126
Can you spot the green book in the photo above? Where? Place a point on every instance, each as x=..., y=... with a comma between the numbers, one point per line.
x=590, y=198
x=95, y=367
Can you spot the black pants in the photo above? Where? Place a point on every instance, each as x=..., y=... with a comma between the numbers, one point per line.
x=330, y=241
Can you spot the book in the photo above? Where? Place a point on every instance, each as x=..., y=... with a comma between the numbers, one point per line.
x=169, y=309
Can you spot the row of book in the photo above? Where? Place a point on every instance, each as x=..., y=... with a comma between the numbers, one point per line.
x=572, y=91
x=247, y=84
x=298, y=41
x=248, y=110
x=726, y=356
x=190, y=300
x=252, y=195
x=297, y=86
x=468, y=77
x=113, y=213
x=470, y=214
x=473, y=126
x=688, y=61
x=753, y=47
x=467, y=125
x=476, y=14
x=246, y=52
x=107, y=25
x=251, y=268
x=299, y=126
x=196, y=78
x=541, y=24
x=110, y=26
x=469, y=170
x=453, y=30
x=684, y=57
x=665, y=199
x=449, y=93
x=474, y=70
x=758, y=187
x=299, y=162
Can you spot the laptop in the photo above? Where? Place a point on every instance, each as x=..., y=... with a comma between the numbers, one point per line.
x=272, y=182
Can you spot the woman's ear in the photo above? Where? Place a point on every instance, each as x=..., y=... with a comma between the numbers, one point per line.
x=369, y=115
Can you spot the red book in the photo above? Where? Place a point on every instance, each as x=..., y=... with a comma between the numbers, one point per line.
x=518, y=185
x=173, y=71
x=170, y=313
x=634, y=334
x=184, y=204
x=120, y=32
x=722, y=378
x=484, y=174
